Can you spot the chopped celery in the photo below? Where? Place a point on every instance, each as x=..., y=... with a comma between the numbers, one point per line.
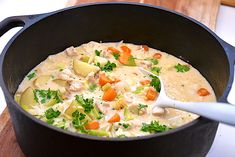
x=127, y=115
x=98, y=133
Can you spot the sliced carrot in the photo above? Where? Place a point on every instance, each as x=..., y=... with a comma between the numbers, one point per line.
x=145, y=47
x=92, y=125
x=104, y=79
x=151, y=94
x=157, y=55
x=124, y=57
x=144, y=82
x=126, y=49
x=115, y=118
x=113, y=50
x=109, y=95
x=203, y=92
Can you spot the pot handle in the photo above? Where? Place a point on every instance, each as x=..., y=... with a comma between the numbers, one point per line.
x=16, y=21
x=230, y=51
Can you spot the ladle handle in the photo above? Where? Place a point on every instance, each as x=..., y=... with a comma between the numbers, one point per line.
x=221, y=112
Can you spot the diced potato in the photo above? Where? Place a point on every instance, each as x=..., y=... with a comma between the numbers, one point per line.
x=61, y=82
x=27, y=98
x=72, y=108
x=41, y=80
x=120, y=104
x=85, y=58
x=82, y=68
x=100, y=60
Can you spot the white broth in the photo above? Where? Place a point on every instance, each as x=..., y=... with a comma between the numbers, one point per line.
x=97, y=89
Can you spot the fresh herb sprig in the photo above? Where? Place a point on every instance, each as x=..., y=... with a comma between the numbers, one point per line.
x=155, y=82
x=31, y=75
x=97, y=52
x=44, y=96
x=107, y=67
x=182, y=68
x=156, y=70
x=154, y=127
x=50, y=114
x=87, y=104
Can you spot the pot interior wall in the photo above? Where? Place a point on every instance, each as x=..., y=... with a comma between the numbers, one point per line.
x=135, y=24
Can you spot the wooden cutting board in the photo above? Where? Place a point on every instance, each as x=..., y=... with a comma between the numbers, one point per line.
x=204, y=11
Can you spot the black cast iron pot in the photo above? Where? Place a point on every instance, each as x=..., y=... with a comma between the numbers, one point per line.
x=159, y=28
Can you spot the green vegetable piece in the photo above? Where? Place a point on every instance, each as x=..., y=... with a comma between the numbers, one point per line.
x=87, y=104
x=154, y=127
x=124, y=125
x=182, y=68
x=116, y=55
x=31, y=75
x=155, y=82
x=98, y=133
x=107, y=67
x=51, y=113
x=127, y=114
x=122, y=136
x=131, y=61
x=156, y=70
x=153, y=60
x=47, y=97
x=92, y=87
x=141, y=106
x=138, y=90
x=97, y=52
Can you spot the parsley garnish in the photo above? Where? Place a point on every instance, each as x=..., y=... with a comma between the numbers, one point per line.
x=87, y=104
x=77, y=123
x=155, y=82
x=125, y=125
x=182, y=68
x=116, y=55
x=153, y=60
x=97, y=52
x=51, y=113
x=141, y=106
x=45, y=95
x=107, y=67
x=79, y=115
x=156, y=70
x=31, y=75
x=154, y=127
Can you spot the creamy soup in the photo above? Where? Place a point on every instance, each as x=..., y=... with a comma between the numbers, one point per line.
x=98, y=89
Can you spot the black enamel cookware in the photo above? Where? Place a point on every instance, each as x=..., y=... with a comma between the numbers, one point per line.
x=156, y=27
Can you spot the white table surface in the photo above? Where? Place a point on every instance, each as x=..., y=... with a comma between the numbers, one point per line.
x=224, y=144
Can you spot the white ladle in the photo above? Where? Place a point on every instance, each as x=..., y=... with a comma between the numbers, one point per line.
x=221, y=112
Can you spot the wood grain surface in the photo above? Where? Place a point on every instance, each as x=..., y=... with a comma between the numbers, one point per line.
x=204, y=11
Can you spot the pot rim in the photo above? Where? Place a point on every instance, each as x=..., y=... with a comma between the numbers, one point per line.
x=11, y=101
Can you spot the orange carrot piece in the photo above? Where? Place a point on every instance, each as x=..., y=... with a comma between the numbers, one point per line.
x=144, y=82
x=109, y=95
x=115, y=118
x=104, y=79
x=113, y=50
x=157, y=55
x=145, y=47
x=203, y=92
x=126, y=49
x=151, y=94
x=92, y=125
